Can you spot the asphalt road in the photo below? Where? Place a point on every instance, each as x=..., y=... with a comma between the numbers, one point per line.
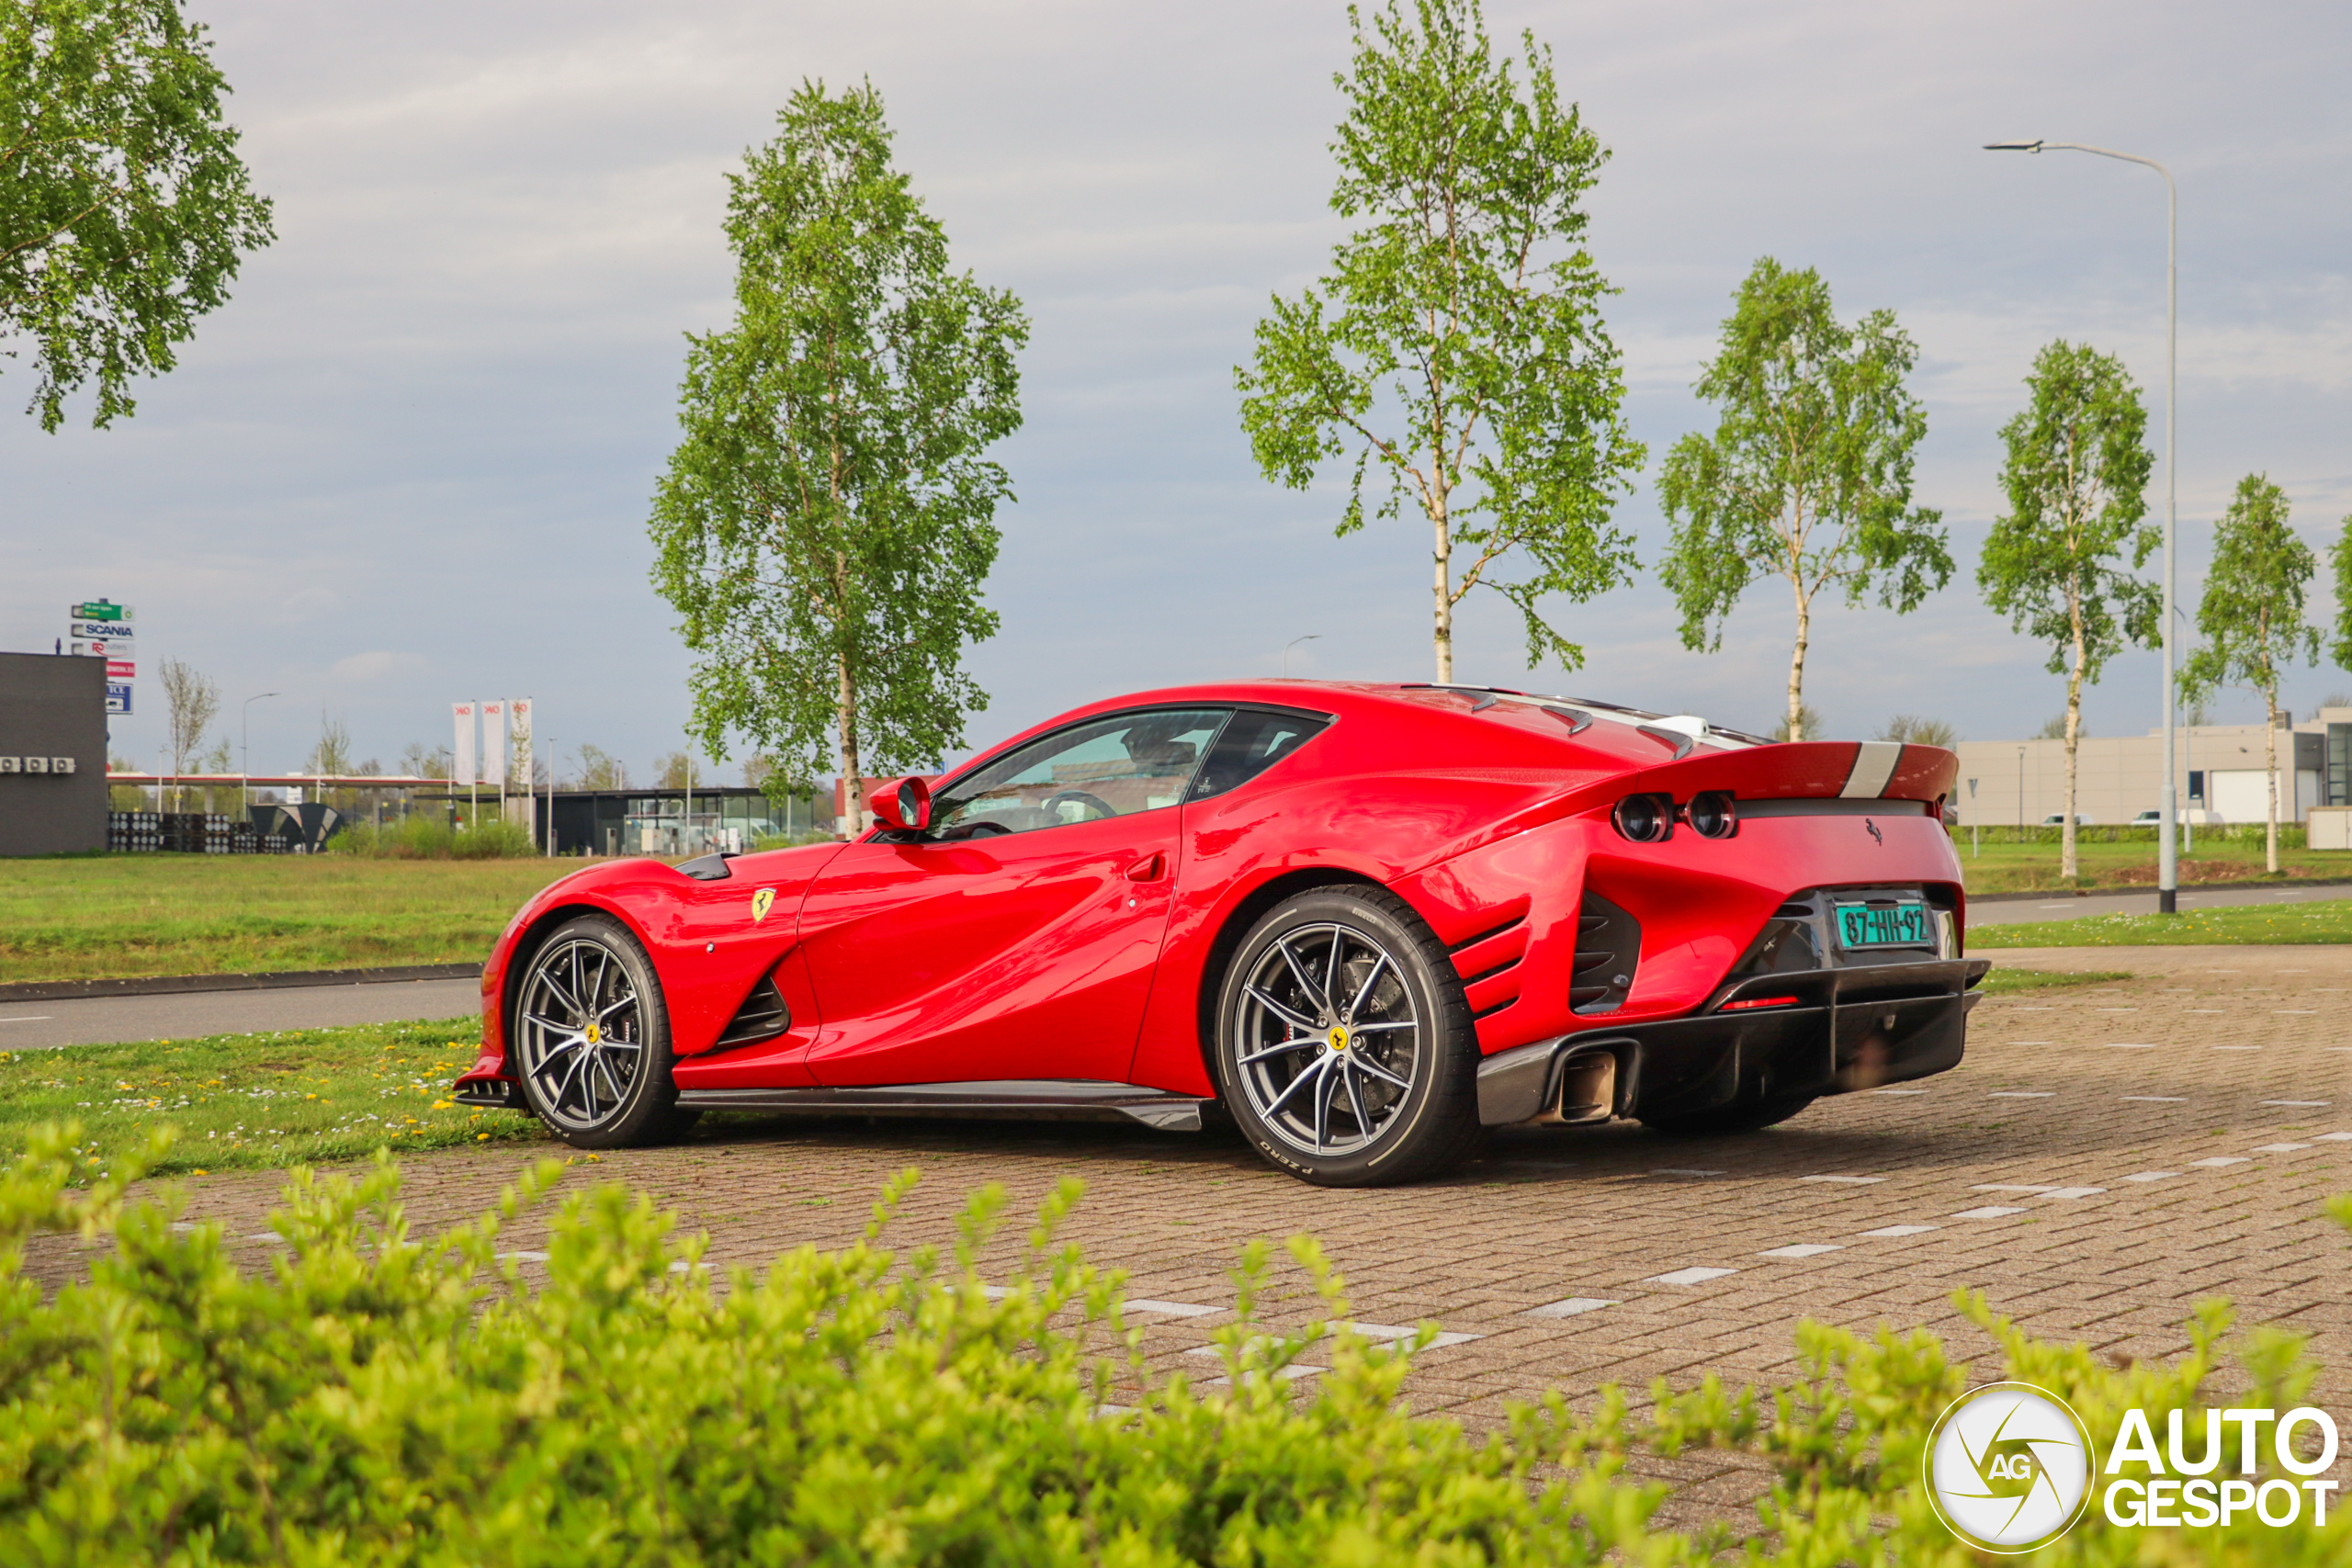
x=2017, y=911
x=92, y=1021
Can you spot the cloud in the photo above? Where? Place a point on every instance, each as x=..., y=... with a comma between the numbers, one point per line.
x=378, y=664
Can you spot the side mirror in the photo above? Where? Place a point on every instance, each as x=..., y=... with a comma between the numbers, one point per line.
x=902, y=806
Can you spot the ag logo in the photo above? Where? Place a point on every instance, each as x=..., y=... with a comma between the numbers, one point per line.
x=762, y=902
x=2008, y=1467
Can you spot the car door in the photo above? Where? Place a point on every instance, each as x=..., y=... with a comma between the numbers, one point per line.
x=1016, y=938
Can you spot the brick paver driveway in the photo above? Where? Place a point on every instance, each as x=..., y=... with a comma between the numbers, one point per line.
x=2106, y=1155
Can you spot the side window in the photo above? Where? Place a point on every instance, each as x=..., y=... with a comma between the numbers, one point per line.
x=1107, y=767
x=1254, y=741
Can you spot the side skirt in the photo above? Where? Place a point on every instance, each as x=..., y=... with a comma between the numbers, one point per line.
x=1044, y=1099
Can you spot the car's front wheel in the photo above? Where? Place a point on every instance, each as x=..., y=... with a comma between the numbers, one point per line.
x=1344, y=1050
x=592, y=1039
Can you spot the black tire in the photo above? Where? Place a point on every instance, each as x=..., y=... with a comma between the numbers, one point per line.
x=1410, y=1109
x=607, y=1086
x=1752, y=1116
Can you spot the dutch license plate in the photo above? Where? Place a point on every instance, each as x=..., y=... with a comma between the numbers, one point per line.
x=1883, y=925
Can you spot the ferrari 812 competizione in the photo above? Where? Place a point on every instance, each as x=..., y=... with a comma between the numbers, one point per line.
x=1363, y=921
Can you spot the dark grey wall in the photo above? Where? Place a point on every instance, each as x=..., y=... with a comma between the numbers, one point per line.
x=52, y=707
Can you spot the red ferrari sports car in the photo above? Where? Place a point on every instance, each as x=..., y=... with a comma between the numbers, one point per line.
x=1366, y=920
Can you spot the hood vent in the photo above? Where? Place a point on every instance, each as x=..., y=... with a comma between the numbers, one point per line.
x=1609, y=947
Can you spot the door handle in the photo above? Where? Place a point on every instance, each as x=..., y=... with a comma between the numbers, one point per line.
x=1148, y=868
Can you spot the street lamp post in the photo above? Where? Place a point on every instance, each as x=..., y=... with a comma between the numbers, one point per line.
x=2169, y=822
x=1294, y=642
x=246, y=754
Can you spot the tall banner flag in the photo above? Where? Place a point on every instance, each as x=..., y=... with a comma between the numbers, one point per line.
x=461, y=756
x=494, y=744
x=519, y=724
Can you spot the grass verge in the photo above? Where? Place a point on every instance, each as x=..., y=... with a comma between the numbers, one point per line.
x=115, y=916
x=2002, y=981
x=2032, y=867
x=2251, y=923
x=256, y=1101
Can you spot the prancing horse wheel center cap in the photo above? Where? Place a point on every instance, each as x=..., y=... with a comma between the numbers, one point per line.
x=593, y=1033
x=1337, y=1038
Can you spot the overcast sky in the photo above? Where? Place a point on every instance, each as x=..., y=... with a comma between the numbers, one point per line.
x=409, y=463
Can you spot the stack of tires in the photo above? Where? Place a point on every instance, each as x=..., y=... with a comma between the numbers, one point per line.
x=196, y=833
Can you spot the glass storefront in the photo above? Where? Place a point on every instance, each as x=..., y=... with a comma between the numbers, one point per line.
x=665, y=825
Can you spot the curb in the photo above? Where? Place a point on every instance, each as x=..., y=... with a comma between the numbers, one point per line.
x=2150, y=889
x=170, y=984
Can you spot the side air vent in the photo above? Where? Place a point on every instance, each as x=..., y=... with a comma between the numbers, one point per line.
x=763, y=1016
x=1609, y=946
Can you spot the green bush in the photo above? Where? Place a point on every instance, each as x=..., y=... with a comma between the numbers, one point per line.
x=420, y=837
x=374, y=1399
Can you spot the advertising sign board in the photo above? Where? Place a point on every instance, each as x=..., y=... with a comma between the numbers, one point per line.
x=120, y=669
x=494, y=744
x=117, y=696
x=102, y=610
x=107, y=631
x=461, y=756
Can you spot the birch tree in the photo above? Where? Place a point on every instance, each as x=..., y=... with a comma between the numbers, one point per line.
x=124, y=208
x=1455, y=349
x=2075, y=476
x=826, y=525
x=2252, y=615
x=2339, y=561
x=1807, y=477
x=191, y=701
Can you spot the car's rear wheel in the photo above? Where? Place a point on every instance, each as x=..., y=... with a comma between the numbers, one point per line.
x=1344, y=1050
x=1750, y=1116
x=592, y=1039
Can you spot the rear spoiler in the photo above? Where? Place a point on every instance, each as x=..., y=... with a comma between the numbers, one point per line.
x=1864, y=770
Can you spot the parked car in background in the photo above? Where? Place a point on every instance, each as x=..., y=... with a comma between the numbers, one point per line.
x=2058, y=819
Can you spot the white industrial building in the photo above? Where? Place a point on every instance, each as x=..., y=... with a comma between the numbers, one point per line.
x=2221, y=773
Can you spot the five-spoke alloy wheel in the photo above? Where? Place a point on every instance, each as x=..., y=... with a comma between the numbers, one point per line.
x=592, y=1038
x=1343, y=1046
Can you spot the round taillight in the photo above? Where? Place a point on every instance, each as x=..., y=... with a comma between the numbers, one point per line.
x=1713, y=814
x=1644, y=818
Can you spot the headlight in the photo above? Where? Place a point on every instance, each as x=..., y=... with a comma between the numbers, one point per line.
x=1644, y=818
x=1713, y=814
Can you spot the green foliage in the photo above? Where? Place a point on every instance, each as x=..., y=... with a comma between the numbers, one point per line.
x=827, y=521
x=123, y=205
x=2252, y=614
x=1805, y=725
x=1912, y=730
x=1456, y=345
x=2074, y=478
x=2339, y=558
x=422, y=837
x=375, y=1398
x=601, y=769
x=1808, y=474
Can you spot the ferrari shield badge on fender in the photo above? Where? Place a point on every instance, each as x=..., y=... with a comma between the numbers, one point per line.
x=762, y=902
